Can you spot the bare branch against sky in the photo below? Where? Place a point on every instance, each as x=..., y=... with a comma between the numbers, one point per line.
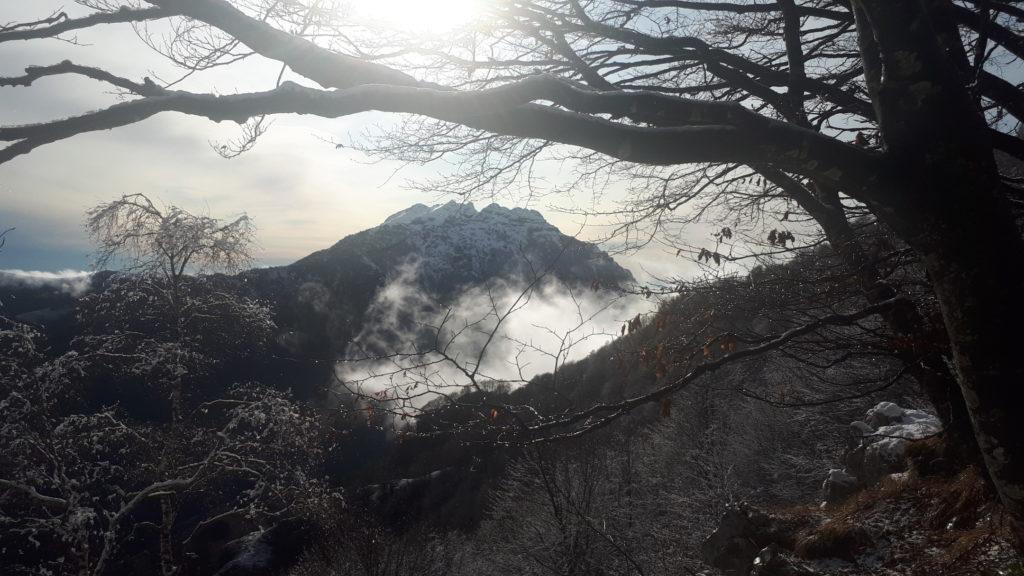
x=306, y=191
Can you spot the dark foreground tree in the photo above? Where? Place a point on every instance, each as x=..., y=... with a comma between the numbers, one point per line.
x=131, y=447
x=898, y=106
x=158, y=247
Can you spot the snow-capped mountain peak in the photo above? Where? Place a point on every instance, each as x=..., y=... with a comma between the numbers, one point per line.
x=455, y=245
x=450, y=247
x=423, y=215
x=427, y=215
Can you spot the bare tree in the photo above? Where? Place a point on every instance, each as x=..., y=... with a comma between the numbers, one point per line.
x=897, y=105
x=159, y=246
x=358, y=546
x=135, y=233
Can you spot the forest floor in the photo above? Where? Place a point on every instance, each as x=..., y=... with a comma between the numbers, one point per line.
x=920, y=522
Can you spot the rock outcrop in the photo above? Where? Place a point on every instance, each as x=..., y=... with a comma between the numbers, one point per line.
x=743, y=533
x=878, y=448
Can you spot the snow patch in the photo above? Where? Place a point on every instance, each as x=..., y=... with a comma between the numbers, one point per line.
x=884, y=413
x=880, y=449
x=421, y=214
x=891, y=440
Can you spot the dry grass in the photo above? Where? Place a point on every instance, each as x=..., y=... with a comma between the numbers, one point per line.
x=931, y=521
x=963, y=517
x=889, y=488
x=842, y=534
x=961, y=502
x=837, y=538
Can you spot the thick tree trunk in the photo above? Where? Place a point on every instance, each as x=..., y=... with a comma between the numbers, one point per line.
x=942, y=195
x=952, y=211
x=976, y=263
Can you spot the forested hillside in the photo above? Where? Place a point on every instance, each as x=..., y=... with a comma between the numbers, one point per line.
x=490, y=476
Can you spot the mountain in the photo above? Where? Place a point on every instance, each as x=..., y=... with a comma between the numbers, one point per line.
x=321, y=299
x=454, y=246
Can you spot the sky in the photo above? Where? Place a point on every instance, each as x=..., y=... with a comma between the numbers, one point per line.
x=302, y=192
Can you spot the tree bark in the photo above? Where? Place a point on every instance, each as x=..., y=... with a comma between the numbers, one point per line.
x=977, y=269
x=944, y=198
x=168, y=567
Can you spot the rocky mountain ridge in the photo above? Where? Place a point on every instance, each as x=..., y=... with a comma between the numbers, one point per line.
x=454, y=245
x=451, y=245
x=440, y=250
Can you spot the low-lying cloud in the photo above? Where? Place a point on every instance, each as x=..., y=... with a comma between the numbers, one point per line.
x=73, y=282
x=411, y=347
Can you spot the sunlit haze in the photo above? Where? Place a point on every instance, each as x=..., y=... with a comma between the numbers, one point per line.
x=418, y=16
x=303, y=192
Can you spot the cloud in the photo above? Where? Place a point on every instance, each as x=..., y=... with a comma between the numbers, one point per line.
x=73, y=282
x=411, y=347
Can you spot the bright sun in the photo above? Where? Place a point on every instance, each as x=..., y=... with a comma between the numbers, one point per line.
x=422, y=16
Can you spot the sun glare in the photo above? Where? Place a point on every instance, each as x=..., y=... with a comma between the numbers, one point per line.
x=420, y=16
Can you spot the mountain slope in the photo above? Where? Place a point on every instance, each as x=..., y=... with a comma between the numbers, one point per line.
x=322, y=298
x=454, y=245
